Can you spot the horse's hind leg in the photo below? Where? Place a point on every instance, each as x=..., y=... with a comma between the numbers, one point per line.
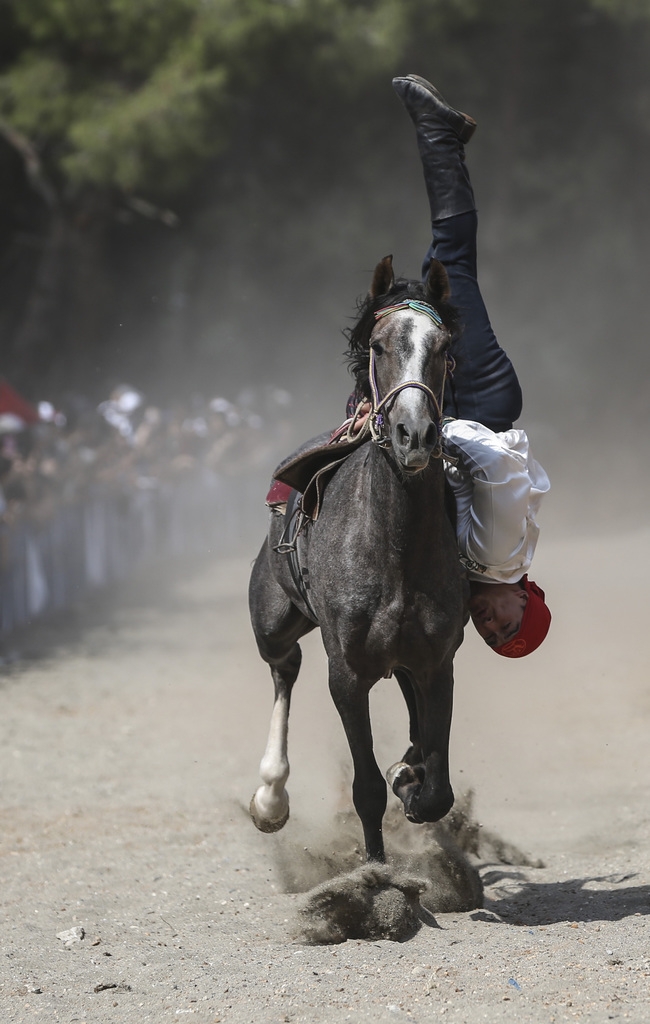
x=423, y=785
x=405, y=777
x=269, y=807
x=413, y=755
x=278, y=625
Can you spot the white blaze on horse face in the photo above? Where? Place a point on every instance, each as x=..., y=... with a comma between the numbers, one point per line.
x=419, y=327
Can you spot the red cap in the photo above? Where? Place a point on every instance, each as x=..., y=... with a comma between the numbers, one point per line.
x=535, y=624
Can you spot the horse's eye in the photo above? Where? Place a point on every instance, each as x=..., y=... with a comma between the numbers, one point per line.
x=377, y=348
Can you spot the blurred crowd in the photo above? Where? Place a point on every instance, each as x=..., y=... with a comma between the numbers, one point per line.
x=89, y=494
x=126, y=444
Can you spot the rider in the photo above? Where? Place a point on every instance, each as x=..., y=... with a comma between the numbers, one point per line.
x=497, y=484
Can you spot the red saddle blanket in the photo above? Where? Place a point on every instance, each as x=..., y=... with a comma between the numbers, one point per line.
x=278, y=493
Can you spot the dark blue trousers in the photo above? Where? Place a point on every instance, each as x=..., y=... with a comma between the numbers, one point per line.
x=484, y=385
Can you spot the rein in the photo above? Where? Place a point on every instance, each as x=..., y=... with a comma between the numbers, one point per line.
x=375, y=423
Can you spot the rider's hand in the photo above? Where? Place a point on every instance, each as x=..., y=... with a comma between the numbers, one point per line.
x=362, y=418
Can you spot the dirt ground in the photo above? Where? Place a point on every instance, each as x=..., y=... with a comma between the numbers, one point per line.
x=130, y=739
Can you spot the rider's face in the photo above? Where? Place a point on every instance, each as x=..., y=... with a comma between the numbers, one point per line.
x=497, y=612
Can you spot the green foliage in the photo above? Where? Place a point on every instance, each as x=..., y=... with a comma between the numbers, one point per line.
x=133, y=35
x=316, y=157
x=157, y=133
x=137, y=94
x=38, y=96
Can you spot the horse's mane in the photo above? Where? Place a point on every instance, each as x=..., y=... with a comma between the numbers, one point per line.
x=358, y=336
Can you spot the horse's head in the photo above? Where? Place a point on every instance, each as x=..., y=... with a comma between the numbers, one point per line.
x=404, y=331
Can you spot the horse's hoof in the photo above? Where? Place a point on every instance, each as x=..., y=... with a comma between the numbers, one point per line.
x=406, y=780
x=403, y=774
x=267, y=825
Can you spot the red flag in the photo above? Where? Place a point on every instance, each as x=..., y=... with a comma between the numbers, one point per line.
x=11, y=401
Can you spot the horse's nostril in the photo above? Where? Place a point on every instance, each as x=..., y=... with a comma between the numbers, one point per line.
x=431, y=435
x=416, y=439
x=403, y=435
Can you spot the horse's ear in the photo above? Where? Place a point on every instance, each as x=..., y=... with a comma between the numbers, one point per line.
x=437, y=283
x=383, y=278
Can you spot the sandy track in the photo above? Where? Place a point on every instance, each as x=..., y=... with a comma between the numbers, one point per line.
x=130, y=744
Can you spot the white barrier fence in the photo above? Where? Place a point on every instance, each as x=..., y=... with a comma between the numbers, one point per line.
x=111, y=535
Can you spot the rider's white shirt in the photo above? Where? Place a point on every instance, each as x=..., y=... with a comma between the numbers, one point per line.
x=498, y=487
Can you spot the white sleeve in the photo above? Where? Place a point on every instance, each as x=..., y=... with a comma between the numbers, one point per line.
x=498, y=488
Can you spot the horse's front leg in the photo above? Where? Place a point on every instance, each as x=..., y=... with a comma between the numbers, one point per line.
x=350, y=696
x=425, y=788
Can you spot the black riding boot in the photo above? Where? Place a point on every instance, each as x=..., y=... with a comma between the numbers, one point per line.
x=484, y=386
x=441, y=132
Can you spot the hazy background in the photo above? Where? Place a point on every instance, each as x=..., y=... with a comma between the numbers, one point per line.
x=193, y=194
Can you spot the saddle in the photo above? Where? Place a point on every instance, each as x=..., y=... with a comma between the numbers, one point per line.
x=297, y=492
x=310, y=468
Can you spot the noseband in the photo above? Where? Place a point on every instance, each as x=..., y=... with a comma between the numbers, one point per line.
x=376, y=422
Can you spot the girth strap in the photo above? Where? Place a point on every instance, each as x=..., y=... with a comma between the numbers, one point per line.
x=294, y=522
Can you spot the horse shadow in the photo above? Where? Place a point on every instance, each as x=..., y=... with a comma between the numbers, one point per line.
x=517, y=900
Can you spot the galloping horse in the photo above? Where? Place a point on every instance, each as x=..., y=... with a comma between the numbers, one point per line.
x=385, y=582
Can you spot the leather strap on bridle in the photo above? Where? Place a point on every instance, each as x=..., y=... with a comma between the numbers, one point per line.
x=375, y=422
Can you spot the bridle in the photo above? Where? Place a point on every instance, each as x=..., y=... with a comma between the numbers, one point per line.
x=376, y=423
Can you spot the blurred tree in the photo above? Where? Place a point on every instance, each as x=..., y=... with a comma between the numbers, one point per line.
x=269, y=129
x=136, y=94
x=106, y=99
